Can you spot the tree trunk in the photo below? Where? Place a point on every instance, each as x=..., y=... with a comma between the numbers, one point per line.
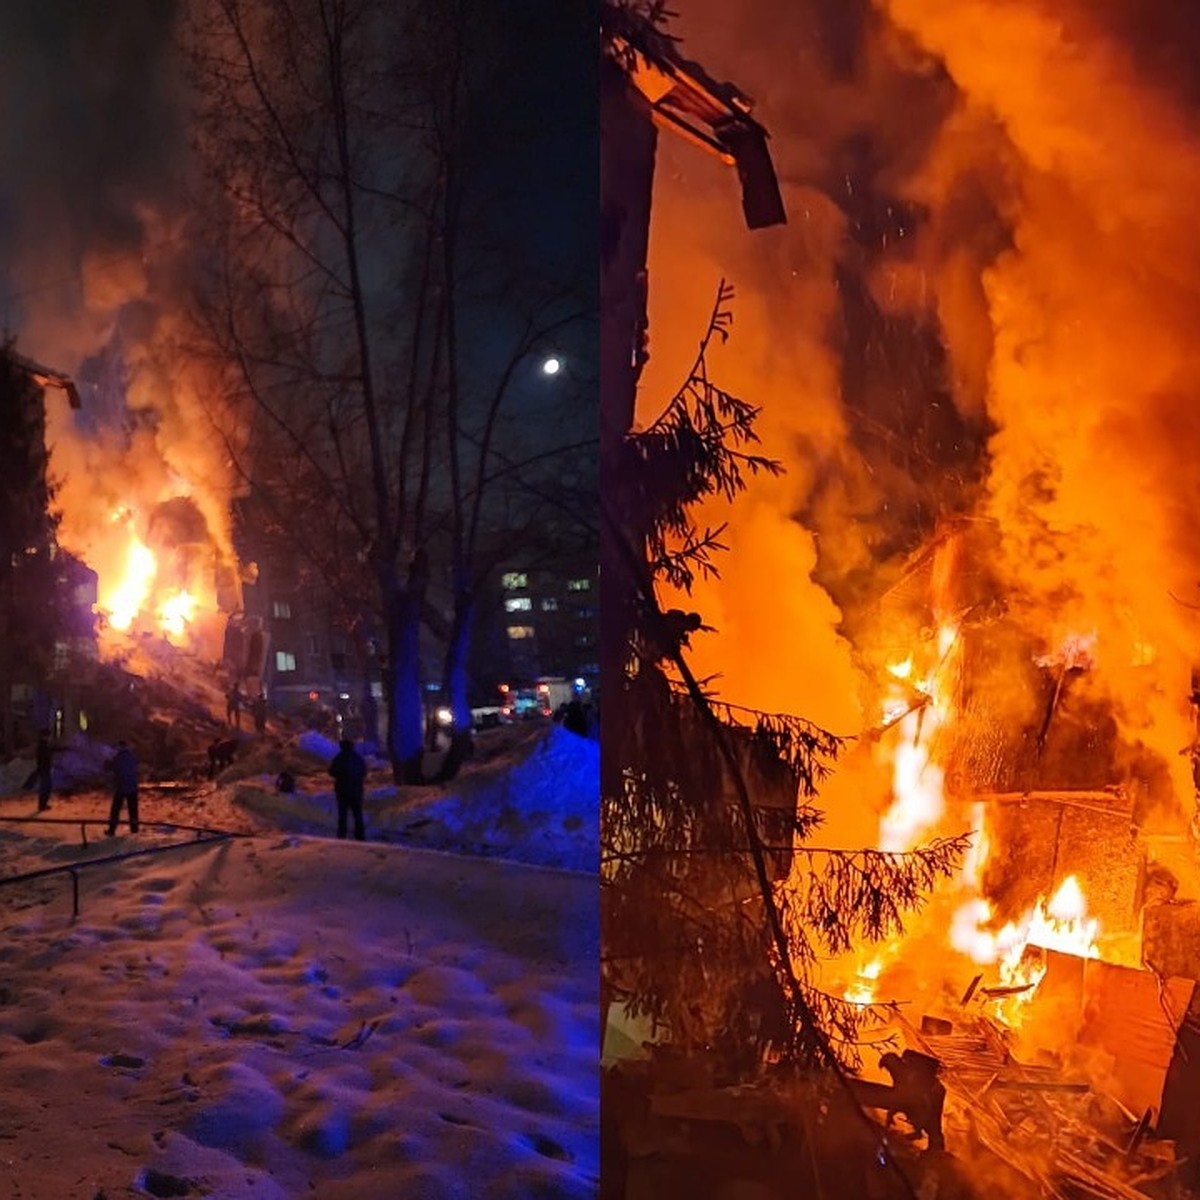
x=456, y=684
x=406, y=726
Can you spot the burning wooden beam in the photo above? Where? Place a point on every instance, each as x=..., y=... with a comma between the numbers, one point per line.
x=47, y=378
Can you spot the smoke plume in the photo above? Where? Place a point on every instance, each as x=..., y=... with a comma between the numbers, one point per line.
x=981, y=314
x=94, y=256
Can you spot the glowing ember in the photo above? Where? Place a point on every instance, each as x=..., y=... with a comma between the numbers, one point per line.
x=177, y=613
x=125, y=601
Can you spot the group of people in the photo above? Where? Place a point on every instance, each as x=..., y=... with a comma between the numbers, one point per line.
x=348, y=770
x=235, y=701
x=123, y=765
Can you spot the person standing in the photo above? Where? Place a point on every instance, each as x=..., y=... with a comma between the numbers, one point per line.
x=42, y=771
x=124, y=767
x=349, y=771
x=260, y=712
x=233, y=707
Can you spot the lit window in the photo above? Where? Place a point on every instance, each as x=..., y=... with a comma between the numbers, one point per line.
x=518, y=604
x=518, y=632
x=281, y=608
x=579, y=585
x=511, y=580
x=549, y=604
x=284, y=661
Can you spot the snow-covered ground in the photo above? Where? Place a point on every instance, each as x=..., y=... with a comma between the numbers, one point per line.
x=534, y=798
x=288, y=1015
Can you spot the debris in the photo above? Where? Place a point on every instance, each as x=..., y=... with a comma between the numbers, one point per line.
x=1047, y=1128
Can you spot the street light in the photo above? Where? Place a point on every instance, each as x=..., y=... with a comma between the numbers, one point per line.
x=552, y=365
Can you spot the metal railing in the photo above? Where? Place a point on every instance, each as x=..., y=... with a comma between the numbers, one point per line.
x=204, y=836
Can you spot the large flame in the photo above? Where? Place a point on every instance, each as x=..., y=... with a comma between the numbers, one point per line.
x=917, y=781
x=137, y=592
x=124, y=597
x=177, y=613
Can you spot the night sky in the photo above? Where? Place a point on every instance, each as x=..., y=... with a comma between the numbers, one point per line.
x=94, y=126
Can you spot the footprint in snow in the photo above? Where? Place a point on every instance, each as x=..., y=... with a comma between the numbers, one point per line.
x=129, y=1061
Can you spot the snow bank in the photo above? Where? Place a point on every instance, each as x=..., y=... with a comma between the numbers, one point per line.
x=317, y=744
x=78, y=764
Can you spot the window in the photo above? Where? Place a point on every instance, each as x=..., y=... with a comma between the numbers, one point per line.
x=511, y=580
x=579, y=585
x=585, y=612
x=549, y=604
x=281, y=608
x=585, y=641
x=314, y=644
x=284, y=661
x=518, y=604
x=518, y=632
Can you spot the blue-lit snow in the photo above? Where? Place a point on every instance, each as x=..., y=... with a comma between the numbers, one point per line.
x=312, y=1017
x=539, y=804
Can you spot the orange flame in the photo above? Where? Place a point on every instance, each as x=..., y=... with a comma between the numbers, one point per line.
x=862, y=988
x=1061, y=924
x=917, y=780
x=125, y=599
x=178, y=612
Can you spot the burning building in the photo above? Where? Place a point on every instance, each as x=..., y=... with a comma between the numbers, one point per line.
x=972, y=346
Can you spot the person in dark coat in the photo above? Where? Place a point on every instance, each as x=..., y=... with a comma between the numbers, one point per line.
x=233, y=707
x=260, y=712
x=125, y=788
x=349, y=771
x=41, y=770
x=575, y=719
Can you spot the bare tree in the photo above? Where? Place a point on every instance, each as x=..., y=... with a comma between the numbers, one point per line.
x=336, y=134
